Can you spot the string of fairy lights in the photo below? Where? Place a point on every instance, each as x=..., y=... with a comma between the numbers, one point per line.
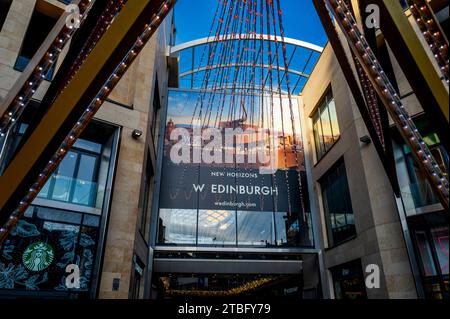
x=236, y=291
x=19, y=103
x=112, y=8
x=86, y=117
x=370, y=95
x=432, y=33
x=391, y=99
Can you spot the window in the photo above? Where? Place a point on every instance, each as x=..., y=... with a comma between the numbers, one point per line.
x=75, y=180
x=4, y=9
x=325, y=125
x=40, y=26
x=348, y=281
x=147, y=198
x=337, y=205
x=156, y=118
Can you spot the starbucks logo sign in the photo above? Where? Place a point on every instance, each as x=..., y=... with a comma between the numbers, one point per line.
x=38, y=256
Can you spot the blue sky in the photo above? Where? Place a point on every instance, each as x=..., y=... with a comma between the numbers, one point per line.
x=193, y=19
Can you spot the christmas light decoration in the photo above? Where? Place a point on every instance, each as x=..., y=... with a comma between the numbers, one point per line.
x=390, y=99
x=245, y=288
x=432, y=32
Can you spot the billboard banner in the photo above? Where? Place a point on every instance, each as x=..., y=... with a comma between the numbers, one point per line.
x=219, y=156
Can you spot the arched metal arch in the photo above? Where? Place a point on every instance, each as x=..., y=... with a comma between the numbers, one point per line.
x=241, y=65
x=240, y=88
x=298, y=43
x=312, y=48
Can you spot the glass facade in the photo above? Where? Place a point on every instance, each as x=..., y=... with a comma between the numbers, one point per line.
x=226, y=228
x=325, y=125
x=337, y=205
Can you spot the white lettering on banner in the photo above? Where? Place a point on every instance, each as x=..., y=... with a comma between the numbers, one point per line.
x=238, y=189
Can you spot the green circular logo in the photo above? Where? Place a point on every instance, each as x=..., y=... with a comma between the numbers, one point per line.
x=38, y=256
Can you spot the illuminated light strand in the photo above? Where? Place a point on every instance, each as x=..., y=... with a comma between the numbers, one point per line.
x=218, y=78
x=291, y=110
x=228, y=55
x=84, y=120
x=266, y=7
x=432, y=33
x=370, y=98
x=421, y=153
x=111, y=10
x=270, y=3
x=227, y=6
x=19, y=103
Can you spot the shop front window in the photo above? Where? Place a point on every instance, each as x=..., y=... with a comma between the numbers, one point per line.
x=63, y=226
x=348, y=281
x=35, y=255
